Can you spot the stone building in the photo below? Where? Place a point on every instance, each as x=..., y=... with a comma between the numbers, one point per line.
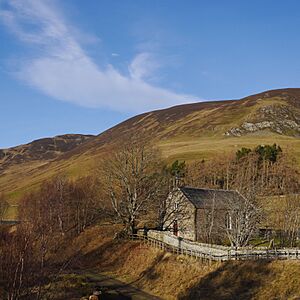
x=200, y=214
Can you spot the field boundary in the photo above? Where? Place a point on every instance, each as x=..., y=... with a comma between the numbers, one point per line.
x=171, y=243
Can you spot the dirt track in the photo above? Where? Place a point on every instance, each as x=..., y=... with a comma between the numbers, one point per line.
x=115, y=289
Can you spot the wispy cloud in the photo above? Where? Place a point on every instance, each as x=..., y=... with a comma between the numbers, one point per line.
x=63, y=70
x=143, y=66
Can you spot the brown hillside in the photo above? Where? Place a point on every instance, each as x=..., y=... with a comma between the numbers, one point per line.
x=42, y=149
x=172, y=276
x=204, y=118
x=187, y=132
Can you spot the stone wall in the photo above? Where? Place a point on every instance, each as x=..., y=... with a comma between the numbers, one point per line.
x=172, y=240
x=219, y=252
x=210, y=226
x=185, y=215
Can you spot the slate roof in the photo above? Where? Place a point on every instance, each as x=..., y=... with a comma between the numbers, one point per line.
x=202, y=198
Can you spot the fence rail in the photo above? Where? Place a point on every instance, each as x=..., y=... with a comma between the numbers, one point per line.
x=213, y=254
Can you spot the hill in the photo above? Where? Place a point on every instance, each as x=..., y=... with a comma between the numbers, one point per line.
x=187, y=132
x=43, y=149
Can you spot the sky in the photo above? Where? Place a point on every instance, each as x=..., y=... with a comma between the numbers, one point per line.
x=77, y=66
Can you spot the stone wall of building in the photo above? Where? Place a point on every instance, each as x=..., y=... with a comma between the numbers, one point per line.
x=210, y=225
x=181, y=209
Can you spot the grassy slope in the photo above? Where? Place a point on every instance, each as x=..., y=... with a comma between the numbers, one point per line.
x=188, y=132
x=206, y=147
x=179, y=277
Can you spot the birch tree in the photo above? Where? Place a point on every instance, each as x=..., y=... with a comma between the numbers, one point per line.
x=241, y=220
x=283, y=214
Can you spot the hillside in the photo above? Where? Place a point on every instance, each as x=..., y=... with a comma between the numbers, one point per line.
x=196, y=130
x=168, y=275
x=41, y=150
x=191, y=131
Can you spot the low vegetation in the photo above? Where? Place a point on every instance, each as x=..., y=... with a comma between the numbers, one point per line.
x=59, y=232
x=164, y=274
x=188, y=132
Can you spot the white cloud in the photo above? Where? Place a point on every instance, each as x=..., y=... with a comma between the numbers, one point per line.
x=64, y=71
x=143, y=66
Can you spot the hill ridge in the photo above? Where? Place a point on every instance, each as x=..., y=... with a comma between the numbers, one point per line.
x=47, y=148
x=187, y=132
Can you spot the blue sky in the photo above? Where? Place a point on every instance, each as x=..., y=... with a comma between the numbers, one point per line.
x=78, y=66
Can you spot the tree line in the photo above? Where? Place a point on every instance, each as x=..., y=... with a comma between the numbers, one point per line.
x=49, y=219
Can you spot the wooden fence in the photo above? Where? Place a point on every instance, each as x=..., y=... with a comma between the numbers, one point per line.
x=213, y=254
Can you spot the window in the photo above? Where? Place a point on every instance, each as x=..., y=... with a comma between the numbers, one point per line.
x=228, y=221
x=176, y=206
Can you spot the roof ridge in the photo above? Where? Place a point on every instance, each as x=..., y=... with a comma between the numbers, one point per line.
x=207, y=189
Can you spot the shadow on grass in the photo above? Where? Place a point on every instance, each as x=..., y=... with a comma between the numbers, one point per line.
x=104, y=256
x=231, y=281
x=110, y=256
x=150, y=273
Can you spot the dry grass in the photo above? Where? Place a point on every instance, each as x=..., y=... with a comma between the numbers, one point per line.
x=25, y=178
x=283, y=281
x=150, y=269
x=191, y=148
x=249, y=280
x=162, y=274
x=177, y=277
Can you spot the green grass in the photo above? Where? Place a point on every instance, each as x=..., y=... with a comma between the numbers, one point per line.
x=261, y=242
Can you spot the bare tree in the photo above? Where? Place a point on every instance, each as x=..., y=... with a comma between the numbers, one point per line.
x=50, y=218
x=236, y=172
x=241, y=220
x=85, y=205
x=283, y=215
x=210, y=219
x=132, y=181
x=174, y=210
x=16, y=262
x=291, y=219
